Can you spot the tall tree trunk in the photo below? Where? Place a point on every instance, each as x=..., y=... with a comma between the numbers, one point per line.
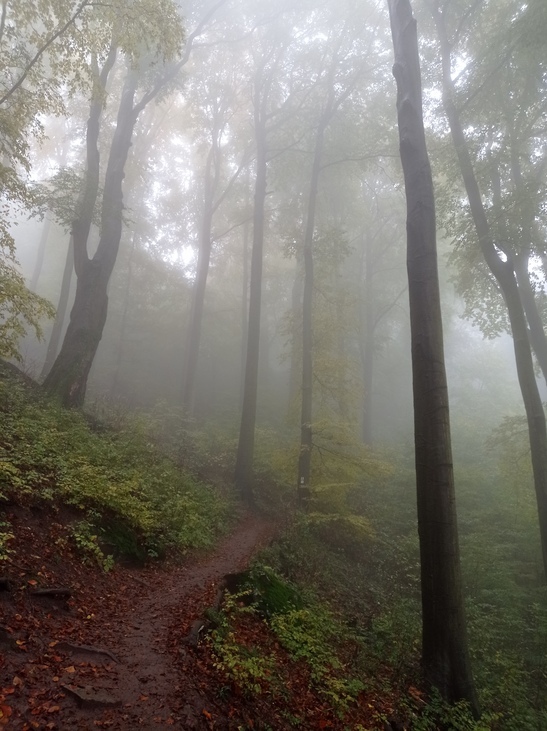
x=245, y=448
x=445, y=655
x=367, y=341
x=198, y=293
x=295, y=373
x=68, y=376
x=60, y=314
x=306, y=432
x=505, y=276
x=244, y=309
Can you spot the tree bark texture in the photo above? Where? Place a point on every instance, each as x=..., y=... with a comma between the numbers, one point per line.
x=445, y=655
x=505, y=276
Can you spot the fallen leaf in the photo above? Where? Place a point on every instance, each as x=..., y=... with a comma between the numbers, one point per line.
x=70, y=669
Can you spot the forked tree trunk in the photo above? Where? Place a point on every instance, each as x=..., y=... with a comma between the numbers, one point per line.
x=68, y=376
x=445, y=655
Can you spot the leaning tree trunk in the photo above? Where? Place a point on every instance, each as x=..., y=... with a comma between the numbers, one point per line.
x=445, y=655
x=506, y=279
x=68, y=376
x=60, y=315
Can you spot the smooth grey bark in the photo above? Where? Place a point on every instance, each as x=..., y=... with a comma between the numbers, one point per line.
x=445, y=655
x=505, y=276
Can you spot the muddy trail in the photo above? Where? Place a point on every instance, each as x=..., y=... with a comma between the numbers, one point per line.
x=115, y=655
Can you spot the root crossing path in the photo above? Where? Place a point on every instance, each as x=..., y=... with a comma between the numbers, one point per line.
x=133, y=676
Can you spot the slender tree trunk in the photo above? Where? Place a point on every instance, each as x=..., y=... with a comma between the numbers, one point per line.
x=306, y=431
x=198, y=293
x=245, y=449
x=244, y=309
x=295, y=375
x=367, y=343
x=505, y=276
x=60, y=315
x=445, y=655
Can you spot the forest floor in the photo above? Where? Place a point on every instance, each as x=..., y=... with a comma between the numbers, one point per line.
x=113, y=653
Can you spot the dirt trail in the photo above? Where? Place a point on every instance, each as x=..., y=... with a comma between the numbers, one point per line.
x=140, y=685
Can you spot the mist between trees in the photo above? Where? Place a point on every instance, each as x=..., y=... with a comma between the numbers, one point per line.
x=210, y=194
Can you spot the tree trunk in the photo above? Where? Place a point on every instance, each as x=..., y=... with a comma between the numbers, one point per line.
x=245, y=448
x=366, y=344
x=505, y=276
x=68, y=376
x=198, y=293
x=306, y=433
x=60, y=315
x=244, y=309
x=445, y=655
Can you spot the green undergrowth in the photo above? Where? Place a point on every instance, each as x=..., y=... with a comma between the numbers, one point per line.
x=133, y=500
x=306, y=630
x=364, y=593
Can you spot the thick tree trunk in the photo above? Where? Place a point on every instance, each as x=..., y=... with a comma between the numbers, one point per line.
x=68, y=376
x=505, y=276
x=445, y=655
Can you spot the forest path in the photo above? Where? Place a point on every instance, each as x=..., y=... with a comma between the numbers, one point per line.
x=138, y=681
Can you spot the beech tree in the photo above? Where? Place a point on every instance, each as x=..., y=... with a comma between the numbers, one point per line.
x=162, y=35
x=445, y=655
x=509, y=267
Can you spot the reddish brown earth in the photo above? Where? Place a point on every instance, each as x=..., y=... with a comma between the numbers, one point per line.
x=52, y=675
